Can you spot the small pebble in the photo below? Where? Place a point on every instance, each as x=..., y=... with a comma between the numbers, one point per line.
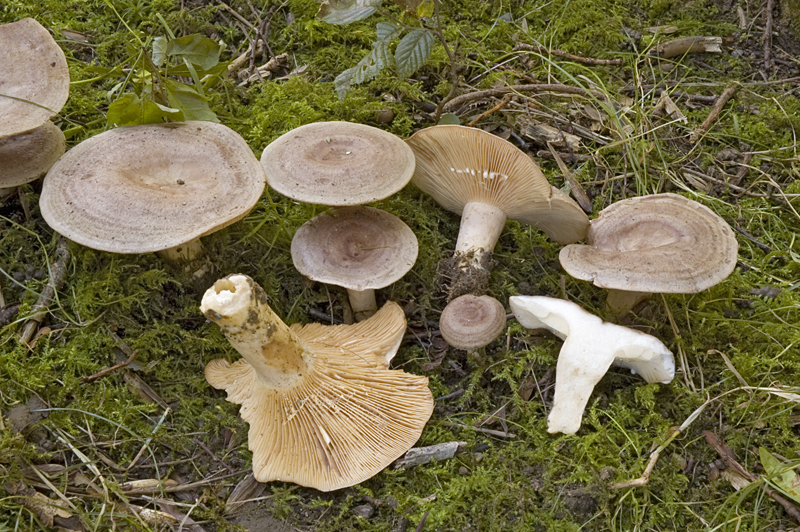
x=364, y=510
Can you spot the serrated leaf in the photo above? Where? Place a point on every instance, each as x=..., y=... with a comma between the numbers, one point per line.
x=196, y=49
x=159, y=50
x=413, y=51
x=191, y=104
x=387, y=31
x=343, y=81
x=131, y=110
x=346, y=11
x=787, y=481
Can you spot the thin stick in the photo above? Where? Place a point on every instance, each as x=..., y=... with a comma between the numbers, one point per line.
x=106, y=371
x=503, y=102
x=536, y=87
x=768, y=36
x=713, y=115
x=212, y=455
x=566, y=55
x=729, y=458
x=642, y=480
x=58, y=273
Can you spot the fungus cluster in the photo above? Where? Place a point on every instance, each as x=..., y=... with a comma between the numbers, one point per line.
x=34, y=86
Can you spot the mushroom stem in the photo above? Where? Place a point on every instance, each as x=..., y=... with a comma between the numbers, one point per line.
x=363, y=303
x=619, y=302
x=481, y=225
x=239, y=306
x=183, y=253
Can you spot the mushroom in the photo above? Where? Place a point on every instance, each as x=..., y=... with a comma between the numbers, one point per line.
x=155, y=187
x=486, y=180
x=27, y=156
x=590, y=347
x=359, y=248
x=34, y=78
x=337, y=164
x=471, y=322
x=662, y=243
x=323, y=407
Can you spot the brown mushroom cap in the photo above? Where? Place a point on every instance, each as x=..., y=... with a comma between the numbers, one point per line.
x=337, y=163
x=457, y=165
x=471, y=322
x=358, y=248
x=146, y=188
x=27, y=156
x=34, y=78
x=662, y=243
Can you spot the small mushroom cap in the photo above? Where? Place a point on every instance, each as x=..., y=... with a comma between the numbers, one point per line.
x=661, y=243
x=590, y=347
x=34, y=78
x=358, y=248
x=337, y=163
x=457, y=165
x=27, y=156
x=471, y=322
x=138, y=189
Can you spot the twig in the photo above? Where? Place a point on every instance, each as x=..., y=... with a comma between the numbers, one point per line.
x=713, y=115
x=645, y=478
x=536, y=87
x=768, y=36
x=577, y=190
x=729, y=458
x=236, y=14
x=450, y=56
x=657, y=92
x=106, y=371
x=687, y=45
x=566, y=55
x=760, y=245
x=212, y=455
x=503, y=103
x=743, y=169
x=58, y=273
x=421, y=524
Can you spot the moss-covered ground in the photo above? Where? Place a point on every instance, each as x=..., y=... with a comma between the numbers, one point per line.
x=736, y=344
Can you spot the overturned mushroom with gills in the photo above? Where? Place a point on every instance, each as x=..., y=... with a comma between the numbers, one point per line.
x=488, y=180
x=323, y=407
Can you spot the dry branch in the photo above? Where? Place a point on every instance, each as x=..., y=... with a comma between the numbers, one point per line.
x=566, y=55
x=58, y=273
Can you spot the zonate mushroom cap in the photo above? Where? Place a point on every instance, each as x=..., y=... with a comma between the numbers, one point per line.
x=590, y=347
x=457, y=165
x=337, y=163
x=358, y=248
x=324, y=410
x=27, y=156
x=662, y=243
x=471, y=322
x=138, y=189
x=34, y=78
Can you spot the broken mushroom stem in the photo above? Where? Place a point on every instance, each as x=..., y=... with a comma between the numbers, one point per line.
x=239, y=306
x=481, y=225
x=619, y=302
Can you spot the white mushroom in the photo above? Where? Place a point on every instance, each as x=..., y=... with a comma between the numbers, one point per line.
x=590, y=347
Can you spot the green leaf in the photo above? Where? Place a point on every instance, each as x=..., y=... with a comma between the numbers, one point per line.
x=387, y=31
x=421, y=8
x=449, y=119
x=192, y=105
x=196, y=49
x=346, y=11
x=366, y=69
x=413, y=51
x=343, y=81
x=159, y=50
x=787, y=481
x=131, y=110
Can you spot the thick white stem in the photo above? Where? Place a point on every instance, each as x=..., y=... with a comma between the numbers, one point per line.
x=183, y=253
x=363, y=303
x=239, y=306
x=481, y=225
